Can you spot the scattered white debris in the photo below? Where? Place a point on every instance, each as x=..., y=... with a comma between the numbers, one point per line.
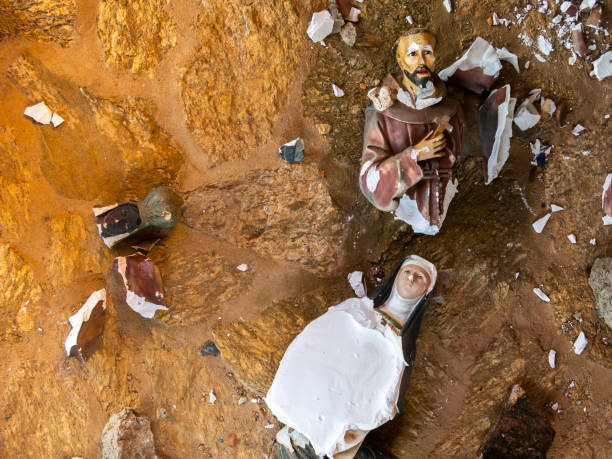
x=516, y=275
x=56, y=120
x=243, y=267
x=554, y=406
x=578, y=129
x=541, y=295
x=337, y=91
x=556, y=208
x=552, y=355
x=321, y=25
x=580, y=343
x=356, y=280
x=602, y=67
x=211, y=397
x=242, y=400
x=593, y=241
x=448, y=5
x=269, y=426
x=572, y=384
x=39, y=113
x=527, y=64
x=539, y=225
x=539, y=57
x=572, y=238
x=585, y=152
x=409, y=19
x=544, y=45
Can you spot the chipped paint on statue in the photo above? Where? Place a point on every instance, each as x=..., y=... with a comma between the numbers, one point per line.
x=412, y=139
x=348, y=371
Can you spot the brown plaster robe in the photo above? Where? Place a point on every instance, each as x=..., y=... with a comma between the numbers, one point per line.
x=395, y=182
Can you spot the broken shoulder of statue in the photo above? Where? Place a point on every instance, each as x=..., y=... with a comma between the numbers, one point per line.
x=413, y=131
x=348, y=371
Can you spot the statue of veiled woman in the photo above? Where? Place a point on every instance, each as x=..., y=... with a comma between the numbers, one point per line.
x=348, y=371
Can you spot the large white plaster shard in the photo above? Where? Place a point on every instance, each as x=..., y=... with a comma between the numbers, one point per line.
x=356, y=280
x=606, y=200
x=580, y=343
x=341, y=373
x=602, y=67
x=143, y=285
x=505, y=55
x=495, y=127
x=321, y=25
x=39, y=113
x=73, y=344
x=539, y=225
x=527, y=115
x=587, y=4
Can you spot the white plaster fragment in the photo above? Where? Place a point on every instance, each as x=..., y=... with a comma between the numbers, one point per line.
x=269, y=426
x=480, y=54
x=353, y=15
x=593, y=241
x=539, y=57
x=587, y=4
x=541, y=295
x=321, y=25
x=607, y=219
x=578, y=129
x=539, y=225
x=580, y=343
x=242, y=400
x=552, y=355
x=356, y=281
x=505, y=55
x=56, y=120
x=81, y=316
x=409, y=19
x=526, y=115
x=556, y=208
x=544, y=45
x=39, y=113
x=243, y=267
x=602, y=67
x=447, y=4
x=211, y=397
x=501, y=145
x=337, y=91
x=572, y=238
x=527, y=64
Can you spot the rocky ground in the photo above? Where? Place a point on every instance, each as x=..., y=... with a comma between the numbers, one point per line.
x=198, y=96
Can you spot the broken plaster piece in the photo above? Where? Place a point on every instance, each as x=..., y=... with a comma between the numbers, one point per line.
x=243, y=267
x=556, y=208
x=495, y=130
x=541, y=295
x=572, y=238
x=448, y=5
x=87, y=325
x=353, y=15
x=211, y=397
x=356, y=280
x=580, y=343
x=39, y=113
x=478, y=68
x=56, y=120
x=526, y=115
x=143, y=285
x=321, y=25
x=337, y=91
x=606, y=200
x=505, y=55
x=552, y=355
x=578, y=129
x=602, y=67
x=539, y=225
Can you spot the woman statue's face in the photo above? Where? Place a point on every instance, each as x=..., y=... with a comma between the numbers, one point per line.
x=412, y=281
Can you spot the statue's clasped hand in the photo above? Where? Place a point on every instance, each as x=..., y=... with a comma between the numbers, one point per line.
x=431, y=146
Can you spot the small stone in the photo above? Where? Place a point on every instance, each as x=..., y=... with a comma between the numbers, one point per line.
x=127, y=435
x=292, y=152
x=323, y=128
x=348, y=34
x=363, y=86
x=242, y=400
x=600, y=281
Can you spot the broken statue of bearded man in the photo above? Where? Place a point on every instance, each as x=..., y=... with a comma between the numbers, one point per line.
x=348, y=371
x=412, y=139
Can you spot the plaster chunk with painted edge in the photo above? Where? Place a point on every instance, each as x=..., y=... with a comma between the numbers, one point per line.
x=39, y=113
x=539, y=225
x=572, y=238
x=56, y=120
x=142, y=282
x=552, y=356
x=356, y=281
x=87, y=325
x=321, y=25
x=541, y=295
x=580, y=343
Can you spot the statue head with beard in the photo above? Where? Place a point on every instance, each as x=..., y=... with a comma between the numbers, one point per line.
x=415, y=55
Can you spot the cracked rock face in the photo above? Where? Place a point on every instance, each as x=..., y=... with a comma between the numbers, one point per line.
x=239, y=77
x=108, y=149
x=135, y=35
x=600, y=281
x=128, y=436
x=285, y=213
x=42, y=20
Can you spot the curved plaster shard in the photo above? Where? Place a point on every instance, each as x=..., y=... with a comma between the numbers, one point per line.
x=495, y=129
x=346, y=368
x=87, y=325
x=606, y=200
x=143, y=284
